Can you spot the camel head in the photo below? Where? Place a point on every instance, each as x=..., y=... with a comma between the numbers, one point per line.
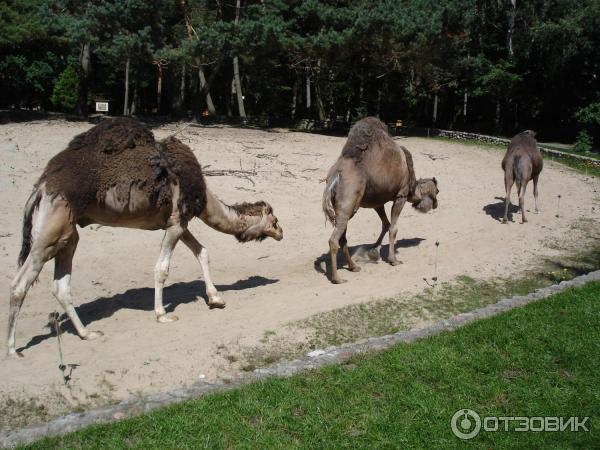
x=425, y=194
x=261, y=220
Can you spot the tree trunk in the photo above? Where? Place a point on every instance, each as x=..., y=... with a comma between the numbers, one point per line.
x=209, y=103
x=126, y=100
x=84, y=70
x=349, y=109
x=308, y=99
x=203, y=85
x=318, y=97
x=182, y=90
x=230, y=95
x=159, y=88
x=465, y=99
x=238, y=86
x=435, y=108
x=294, y=97
x=236, y=69
x=319, y=102
x=511, y=28
x=497, y=118
x=134, y=103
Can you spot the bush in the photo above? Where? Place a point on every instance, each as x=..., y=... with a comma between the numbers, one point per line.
x=583, y=143
x=66, y=89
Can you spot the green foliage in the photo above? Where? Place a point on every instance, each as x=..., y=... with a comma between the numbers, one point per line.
x=356, y=57
x=583, y=142
x=496, y=80
x=590, y=115
x=66, y=88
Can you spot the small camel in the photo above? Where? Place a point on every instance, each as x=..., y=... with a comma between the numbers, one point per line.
x=371, y=171
x=116, y=174
x=521, y=163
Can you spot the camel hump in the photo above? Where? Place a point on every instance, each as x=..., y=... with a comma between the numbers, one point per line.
x=362, y=135
x=120, y=156
x=526, y=137
x=112, y=136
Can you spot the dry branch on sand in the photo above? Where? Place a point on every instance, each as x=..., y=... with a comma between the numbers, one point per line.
x=246, y=174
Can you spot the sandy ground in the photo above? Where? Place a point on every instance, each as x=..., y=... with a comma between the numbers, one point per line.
x=265, y=285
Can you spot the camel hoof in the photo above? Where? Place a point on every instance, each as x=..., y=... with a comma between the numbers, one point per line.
x=373, y=254
x=537, y=211
x=338, y=281
x=216, y=303
x=92, y=335
x=505, y=221
x=166, y=318
x=396, y=262
x=15, y=354
x=354, y=269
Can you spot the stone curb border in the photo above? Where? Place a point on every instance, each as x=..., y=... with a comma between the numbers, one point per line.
x=319, y=358
x=496, y=140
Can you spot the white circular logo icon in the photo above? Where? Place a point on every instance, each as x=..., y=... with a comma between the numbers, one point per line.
x=465, y=424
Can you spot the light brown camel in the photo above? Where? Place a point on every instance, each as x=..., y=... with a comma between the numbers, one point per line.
x=371, y=171
x=521, y=163
x=116, y=174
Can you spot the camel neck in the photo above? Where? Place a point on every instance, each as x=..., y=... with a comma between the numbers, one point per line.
x=223, y=218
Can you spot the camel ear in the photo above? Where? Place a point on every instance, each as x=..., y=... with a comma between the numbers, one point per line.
x=266, y=209
x=434, y=181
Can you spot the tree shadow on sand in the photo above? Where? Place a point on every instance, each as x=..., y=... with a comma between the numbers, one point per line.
x=496, y=210
x=361, y=253
x=142, y=299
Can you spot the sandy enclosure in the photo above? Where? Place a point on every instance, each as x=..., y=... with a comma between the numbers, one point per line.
x=265, y=285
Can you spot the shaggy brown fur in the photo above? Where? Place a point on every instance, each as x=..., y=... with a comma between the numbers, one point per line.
x=121, y=154
x=252, y=209
x=521, y=163
x=183, y=168
x=117, y=175
x=364, y=134
x=371, y=171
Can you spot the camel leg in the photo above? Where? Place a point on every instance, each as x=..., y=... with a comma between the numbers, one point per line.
x=334, y=245
x=396, y=210
x=508, y=183
x=55, y=232
x=19, y=286
x=522, y=189
x=201, y=254
x=535, y=192
x=161, y=271
x=63, y=264
x=385, y=225
x=344, y=244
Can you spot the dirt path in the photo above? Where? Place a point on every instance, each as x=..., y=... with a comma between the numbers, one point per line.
x=265, y=285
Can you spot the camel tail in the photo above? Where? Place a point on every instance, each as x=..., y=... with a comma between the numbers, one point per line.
x=329, y=197
x=32, y=203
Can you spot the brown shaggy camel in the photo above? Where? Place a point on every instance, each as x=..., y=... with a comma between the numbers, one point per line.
x=116, y=174
x=371, y=171
x=521, y=163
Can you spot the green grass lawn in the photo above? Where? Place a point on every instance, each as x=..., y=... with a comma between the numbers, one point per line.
x=539, y=360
